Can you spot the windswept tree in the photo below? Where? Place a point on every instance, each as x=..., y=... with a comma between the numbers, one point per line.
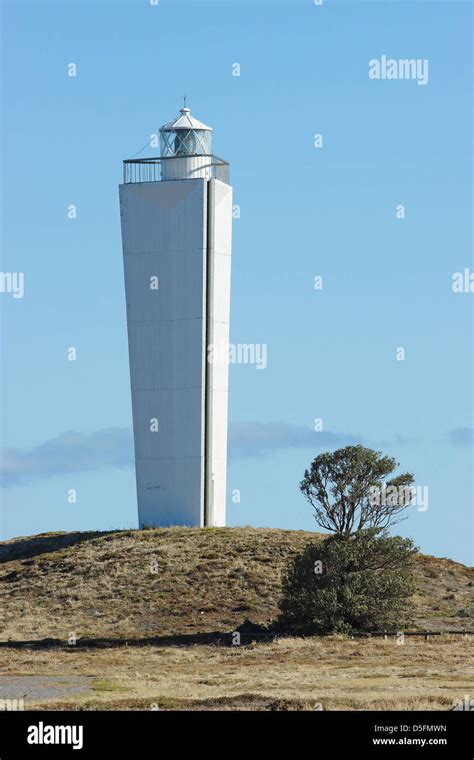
x=350, y=491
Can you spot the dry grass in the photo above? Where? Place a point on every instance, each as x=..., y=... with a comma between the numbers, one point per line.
x=102, y=584
x=329, y=674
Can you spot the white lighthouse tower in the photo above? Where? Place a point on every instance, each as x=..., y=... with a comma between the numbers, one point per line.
x=176, y=213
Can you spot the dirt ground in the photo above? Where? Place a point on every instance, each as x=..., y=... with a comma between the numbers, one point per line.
x=314, y=674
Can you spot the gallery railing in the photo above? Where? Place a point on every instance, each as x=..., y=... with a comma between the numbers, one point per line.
x=151, y=169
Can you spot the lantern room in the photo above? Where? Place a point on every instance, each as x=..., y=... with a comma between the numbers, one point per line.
x=185, y=136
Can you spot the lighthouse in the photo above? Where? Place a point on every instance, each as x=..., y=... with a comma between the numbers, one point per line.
x=176, y=218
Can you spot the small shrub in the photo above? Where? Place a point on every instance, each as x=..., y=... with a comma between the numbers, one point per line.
x=347, y=583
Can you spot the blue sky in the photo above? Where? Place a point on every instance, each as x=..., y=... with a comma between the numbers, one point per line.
x=305, y=211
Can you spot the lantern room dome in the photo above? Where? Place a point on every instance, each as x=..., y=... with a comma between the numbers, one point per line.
x=184, y=121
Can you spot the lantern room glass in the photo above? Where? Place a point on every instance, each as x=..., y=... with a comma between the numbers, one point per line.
x=177, y=143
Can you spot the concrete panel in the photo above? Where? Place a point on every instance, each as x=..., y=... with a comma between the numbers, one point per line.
x=169, y=491
x=223, y=217
x=219, y=261
x=220, y=310
x=166, y=354
x=219, y=487
x=163, y=216
x=219, y=377
x=219, y=424
x=179, y=415
x=180, y=285
x=164, y=233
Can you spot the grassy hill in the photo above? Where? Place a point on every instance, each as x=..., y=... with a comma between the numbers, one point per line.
x=177, y=581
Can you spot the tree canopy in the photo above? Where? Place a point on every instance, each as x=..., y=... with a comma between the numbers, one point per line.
x=349, y=490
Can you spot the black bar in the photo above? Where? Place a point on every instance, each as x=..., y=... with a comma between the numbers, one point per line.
x=134, y=734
